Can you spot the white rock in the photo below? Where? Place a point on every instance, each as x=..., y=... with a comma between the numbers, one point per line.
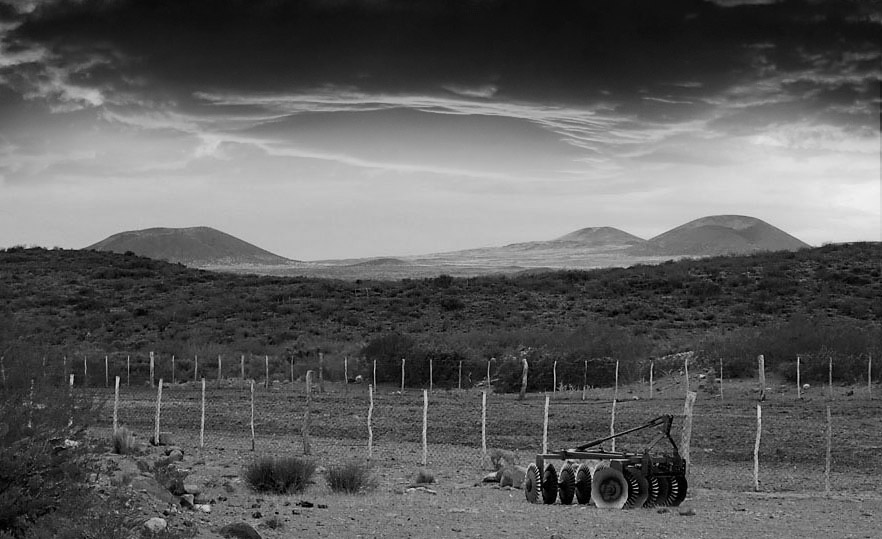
x=204, y=507
x=156, y=524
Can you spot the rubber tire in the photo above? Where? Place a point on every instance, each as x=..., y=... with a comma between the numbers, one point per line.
x=549, y=485
x=583, y=483
x=677, y=490
x=609, y=489
x=638, y=488
x=566, y=484
x=531, y=483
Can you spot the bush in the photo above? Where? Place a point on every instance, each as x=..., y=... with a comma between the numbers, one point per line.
x=279, y=475
x=123, y=442
x=351, y=478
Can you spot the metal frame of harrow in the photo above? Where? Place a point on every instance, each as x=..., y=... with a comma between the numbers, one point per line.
x=631, y=480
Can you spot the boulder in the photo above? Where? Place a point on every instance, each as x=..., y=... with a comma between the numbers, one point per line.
x=156, y=524
x=187, y=501
x=190, y=488
x=151, y=486
x=239, y=530
x=512, y=476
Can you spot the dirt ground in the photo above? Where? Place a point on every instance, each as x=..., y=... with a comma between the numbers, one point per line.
x=720, y=502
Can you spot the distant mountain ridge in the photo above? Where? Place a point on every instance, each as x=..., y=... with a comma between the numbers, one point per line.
x=196, y=246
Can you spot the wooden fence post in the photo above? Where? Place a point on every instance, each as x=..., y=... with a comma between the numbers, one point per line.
x=523, y=378
x=686, y=433
x=431, y=377
x=128, y=371
x=425, y=427
x=798, y=383
x=321, y=372
x=266, y=371
x=306, y=414
x=829, y=448
x=242, y=369
x=402, y=375
x=830, y=376
x=585, y=380
x=202, y=419
x=173, y=370
x=554, y=377
x=756, y=446
x=106, y=372
x=459, y=384
x=545, y=426
x=152, y=370
x=70, y=399
x=220, y=370
x=369, y=417
x=721, y=379
x=195, y=367
x=85, y=372
x=762, y=377
x=375, y=374
x=116, y=405
x=686, y=370
x=156, y=436
x=651, y=365
x=252, y=415
x=31, y=406
x=488, y=374
x=612, y=419
x=870, y=374
x=346, y=373
x=483, y=427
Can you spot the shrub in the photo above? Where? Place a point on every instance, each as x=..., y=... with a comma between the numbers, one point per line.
x=351, y=477
x=123, y=442
x=279, y=475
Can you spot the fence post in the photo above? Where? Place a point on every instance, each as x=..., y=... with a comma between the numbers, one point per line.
x=686, y=370
x=346, y=373
x=220, y=370
x=128, y=371
x=459, y=384
x=156, y=436
x=195, y=367
x=523, y=378
x=425, y=427
x=686, y=433
x=798, y=383
x=431, y=377
x=252, y=415
x=545, y=426
x=762, y=376
x=369, y=417
x=70, y=398
x=651, y=365
x=554, y=377
x=173, y=370
x=152, y=371
x=305, y=429
x=31, y=406
x=106, y=372
x=483, y=427
x=85, y=372
x=2, y=371
x=202, y=419
x=756, y=446
x=612, y=419
x=375, y=374
x=402, y=375
x=870, y=374
x=721, y=379
x=116, y=405
x=488, y=373
x=829, y=447
x=321, y=372
x=242, y=369
x=266, y=371
x=830, y=376
x=585, y=380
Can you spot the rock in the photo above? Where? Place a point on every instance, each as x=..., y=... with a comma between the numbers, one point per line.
x=152, y=487
x=204, y=507
x=190, y=488
x=171, y=448
x=492, y=477
x=239, y=530
x=165, y=438
x=686, y=511
x=175, y=456
x=156, y=524
x=512, y=476
x=257, y=514
x=187, y=501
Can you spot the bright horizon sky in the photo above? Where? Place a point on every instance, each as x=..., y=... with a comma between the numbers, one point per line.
x=353, y=128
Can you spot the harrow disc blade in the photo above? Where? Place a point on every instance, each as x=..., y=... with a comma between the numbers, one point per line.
x=566, y=484
x=549, y=484
x=583, y=483
x=531, y=483
x=638, y=488
x=609, y=489
x=658, y=491
x=676, y=490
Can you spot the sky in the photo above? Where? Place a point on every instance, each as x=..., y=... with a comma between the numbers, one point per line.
x=327, y=129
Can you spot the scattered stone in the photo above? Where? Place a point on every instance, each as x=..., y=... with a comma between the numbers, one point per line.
x=686, y=511
x=156, y=524
x=190, y=488
x=257, y=514
x=421, y=489
x=492, y=477
x=662, y=510
x=175, y=456
x=152, y=487
x=187, y=501
x=304, y=503
x=322, y=506
x=239, y=530
x=204, y=507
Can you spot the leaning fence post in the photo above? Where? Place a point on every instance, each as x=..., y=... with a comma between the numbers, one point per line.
x=545, y=426
x=402, y=375
x=252, y=415
x=756, y=446
x=202, y=419
x=762, y=376
x=156, y=438
x=829, y=447
x=304, y=431
x=686, y=370
x=369, y=417
x=375, y=374
x=686, y=433
x=116, y=405
x=425, y=427
x=483, y=427
x=612, y=418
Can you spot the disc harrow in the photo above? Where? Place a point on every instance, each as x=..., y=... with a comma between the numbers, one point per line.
x=611, y=479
